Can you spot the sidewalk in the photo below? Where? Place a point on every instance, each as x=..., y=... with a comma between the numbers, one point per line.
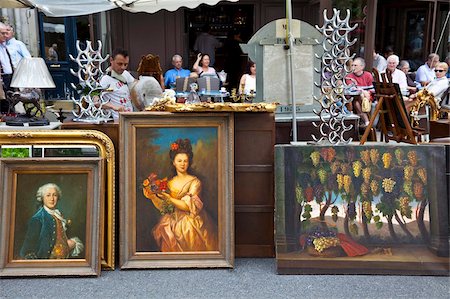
x=251, y=278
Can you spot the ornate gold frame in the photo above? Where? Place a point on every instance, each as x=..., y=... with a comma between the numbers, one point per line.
x=106, y=151
x=214, y=107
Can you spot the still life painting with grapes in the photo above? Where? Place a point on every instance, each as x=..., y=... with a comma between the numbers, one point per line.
x=366, y=209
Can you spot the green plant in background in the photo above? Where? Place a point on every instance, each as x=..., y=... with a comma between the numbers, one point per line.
x=8, y=152
x=355, y=6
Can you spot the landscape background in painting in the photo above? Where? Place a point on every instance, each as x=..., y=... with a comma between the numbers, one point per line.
x=72, y=204
x=152, y=156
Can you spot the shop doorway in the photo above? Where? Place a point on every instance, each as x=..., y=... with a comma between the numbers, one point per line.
x=58, y=38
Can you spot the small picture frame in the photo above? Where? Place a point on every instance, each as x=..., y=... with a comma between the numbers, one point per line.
x=176, y=190
x=51, y=216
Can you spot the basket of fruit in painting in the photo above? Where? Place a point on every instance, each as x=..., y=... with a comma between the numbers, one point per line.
x=324, y=242
x=321, y=243
x=325, y=247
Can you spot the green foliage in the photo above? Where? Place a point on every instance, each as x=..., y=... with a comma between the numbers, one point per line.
x=15, y=152
x=379, y=224
x=307, y=212
x=299, y=197
x=386, y=208
x=355, y=6
x=167, y=208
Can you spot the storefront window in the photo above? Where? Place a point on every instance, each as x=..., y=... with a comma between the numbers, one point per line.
x=54, y=39
x=414, y=38
x=357, y=16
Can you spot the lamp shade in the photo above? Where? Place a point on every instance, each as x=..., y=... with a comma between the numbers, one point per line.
x=32, y=73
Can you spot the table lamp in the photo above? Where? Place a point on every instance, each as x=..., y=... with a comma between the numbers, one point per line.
x=31, y=73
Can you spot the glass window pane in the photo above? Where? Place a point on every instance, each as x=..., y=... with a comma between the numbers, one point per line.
x=54, y=39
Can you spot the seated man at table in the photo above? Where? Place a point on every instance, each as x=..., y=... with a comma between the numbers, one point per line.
x=398, y=76
x=171, y=75
x=425, y=73
x=361, y=79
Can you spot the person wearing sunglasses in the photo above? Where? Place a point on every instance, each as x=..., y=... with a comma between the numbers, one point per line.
x=436, y=87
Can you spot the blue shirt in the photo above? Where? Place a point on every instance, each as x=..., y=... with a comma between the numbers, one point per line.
x=17, y=50
x=170, y=77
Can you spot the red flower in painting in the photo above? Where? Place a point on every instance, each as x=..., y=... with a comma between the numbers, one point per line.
x=174, y=146
x=154, y=185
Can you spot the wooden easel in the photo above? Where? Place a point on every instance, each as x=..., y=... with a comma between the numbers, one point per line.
x=394, y=122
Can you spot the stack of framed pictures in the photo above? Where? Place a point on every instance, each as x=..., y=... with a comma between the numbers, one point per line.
x=56, y=203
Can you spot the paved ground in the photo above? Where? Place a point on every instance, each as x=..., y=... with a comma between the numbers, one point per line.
x=251, y=278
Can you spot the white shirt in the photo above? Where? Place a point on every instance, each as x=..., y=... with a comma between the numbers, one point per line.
x=425, y=74
x=17, y=51
x=437, y=87
x=4, y=59
x=399, y=77
x=120, y=94
x=250, y=84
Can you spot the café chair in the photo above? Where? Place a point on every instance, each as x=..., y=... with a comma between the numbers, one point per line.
x=209, y=88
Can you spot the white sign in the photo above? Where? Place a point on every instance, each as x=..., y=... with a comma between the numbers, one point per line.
x=281, y=27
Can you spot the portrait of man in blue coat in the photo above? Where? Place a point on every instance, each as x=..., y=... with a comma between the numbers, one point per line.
x=46, y=236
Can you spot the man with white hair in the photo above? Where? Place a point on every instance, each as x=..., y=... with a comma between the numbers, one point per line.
x=170, y=77
x=17, y=49
x=6, y=66
x=425, y=73
x=398, y=76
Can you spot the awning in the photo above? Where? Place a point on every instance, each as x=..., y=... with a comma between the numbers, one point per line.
x=151, y=6
x=67, y=8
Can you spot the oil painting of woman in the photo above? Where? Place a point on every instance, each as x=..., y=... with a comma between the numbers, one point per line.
x=185, y=224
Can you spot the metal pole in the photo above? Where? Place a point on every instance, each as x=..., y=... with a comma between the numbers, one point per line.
x=290, y=44
x=442, y=33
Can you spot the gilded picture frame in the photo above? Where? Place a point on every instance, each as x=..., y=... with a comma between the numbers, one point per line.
x=52, y=216
x=175, y=215
x=106, y=151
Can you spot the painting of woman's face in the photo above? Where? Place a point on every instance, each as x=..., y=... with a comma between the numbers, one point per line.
x=50, y=197
x=181, y=162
